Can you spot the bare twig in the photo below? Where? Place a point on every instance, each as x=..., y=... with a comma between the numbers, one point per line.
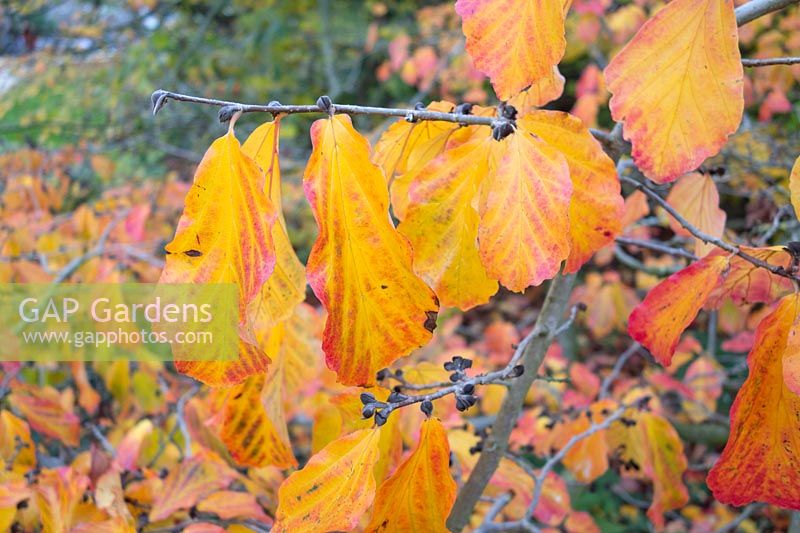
x=605, y=388
x=744, y=515
x=758, y=8
x=656, y=246
x=181, y=418
x=768, y=61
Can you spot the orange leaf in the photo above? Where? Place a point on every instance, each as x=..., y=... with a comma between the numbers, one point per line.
x=58, y=495
x=420, y=493
x=588, y=459
x=524, y=211
x=251, y=360
x=695, y=197
x=16, y=446
x=596, y=206
x=651, y=449
x=47, y=412
x=360, y=267
x=191, y=481
x=541, y=92
x=677, y=86
x=229, y=504
x=514, y=43
x=333, y=489
x=442, y=225
x=286, y=287
x=399, y=148
x=762, y=457
x=746, y=283
x=794, y=186
x=672, y=305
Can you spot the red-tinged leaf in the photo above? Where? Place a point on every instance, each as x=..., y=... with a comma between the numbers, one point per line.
x=400, y=147
x=12, y=492
x=333, y=489
x=251, y=360
x=130, y=446
x=554, y=504
x=651, y=449
x=442, y=225
x=189, y=482
x=596, y=206
x=761, y=461
x=225, y=232
x=672, y=305
x=48, y=412
x=286, y=287
x=514, y=43
x=58, y=495
x=746, y=283
x=360, y=267
x=695, y=197
x=541, y=92
x=677, y=87
x=524, y=211
x=228, y=504
x=794, y=186
x=420, y=493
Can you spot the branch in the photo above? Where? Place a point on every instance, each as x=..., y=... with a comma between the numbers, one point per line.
x=758, y=8
x=531, y=354
x=161, y=97
x=705, y=237
x=744, y=515
x=771, y=61
x=605, y=388
x=656, y=246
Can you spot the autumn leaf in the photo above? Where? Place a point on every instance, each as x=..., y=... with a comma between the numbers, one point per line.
x=254, y=425
x=229, y=504
x=650, y=448
x=541, y=92
x=17, y=450
x=588, y=459
x=677, y=87
x=188, y=483
x=403, y=144
x=672, y=305
x=12, y=492
x=58, y=494
x=333, y=489
x=48, y=412
x=442, y=225
x=250, y=361
x=286, y=287
x=695, y=197
x=225, y=232
x=514, y=43
x=760, y=461
x=596, y=206
x=794, y=186
x=524, y=211
x=745, y=283
x=360, y=267
x=418, y=496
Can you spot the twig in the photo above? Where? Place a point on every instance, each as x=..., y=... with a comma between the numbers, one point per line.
x=766, y=62
x=605, y=388
x=758, y=8
x=160, y=97
x=705, y=237
x=107, y=446
x=496, y=508
x=656, y=246
x=181, y=419
x=744, y=515
x=573, y=313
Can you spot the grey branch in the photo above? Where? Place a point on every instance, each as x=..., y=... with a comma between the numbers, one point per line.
x=758, y=8
x=766, y=62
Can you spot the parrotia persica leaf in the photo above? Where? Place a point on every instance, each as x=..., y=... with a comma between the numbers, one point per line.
x=524, y=211
x=651, y=449
x=420, y=493
x=286, y=287
x=672, y=305
x=696, y=198
x=225, y=232
x=333, y=489
x=677, y=87
x=360, y=266
x=442, y=225
x=514, y=42
x=541, y=92
x=761, y=461
x=596, y=206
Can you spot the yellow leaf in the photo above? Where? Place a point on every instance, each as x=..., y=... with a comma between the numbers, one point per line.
x=794, y=186
x=333, y=489
x=360, y=267
x=695, y=197
x=541, y=92
x=677, y=87
x=420, y=493
x=515, y=42
x=596, y=206
x=286, y=287
x=524, y=211
x=442, y=225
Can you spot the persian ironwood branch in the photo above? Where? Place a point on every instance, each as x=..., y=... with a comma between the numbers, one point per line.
x=605, y=387
x=161, y=97
x=758, y=8
x=657, y=246
x=705, y=237
x=769, y=61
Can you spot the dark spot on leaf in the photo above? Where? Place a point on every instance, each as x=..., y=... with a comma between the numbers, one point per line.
x=193, y=253
x=430, y=322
